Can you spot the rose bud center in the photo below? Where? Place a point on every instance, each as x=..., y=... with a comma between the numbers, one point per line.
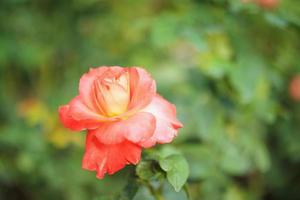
x=113, y=93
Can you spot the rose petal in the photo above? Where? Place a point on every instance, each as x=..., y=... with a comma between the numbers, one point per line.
x=109, y=158
x=137, y=128
x=86, y=84
x=77, y=116
x=80, y=111
x=112, y=93
x=142, y=88
x=68, y=121
x=166, y=122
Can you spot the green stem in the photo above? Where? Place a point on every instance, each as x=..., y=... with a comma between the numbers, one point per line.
x=154, y=192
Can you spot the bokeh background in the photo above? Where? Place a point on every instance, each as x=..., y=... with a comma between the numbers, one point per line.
x=230, y=66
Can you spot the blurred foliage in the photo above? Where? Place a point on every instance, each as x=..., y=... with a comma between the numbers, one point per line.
x=226, y=64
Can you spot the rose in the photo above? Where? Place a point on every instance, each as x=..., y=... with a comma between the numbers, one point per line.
x=294, y=88
x=122, y=113
x=268, y=4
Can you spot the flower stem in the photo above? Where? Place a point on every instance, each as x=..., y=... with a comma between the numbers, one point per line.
x=154, y=192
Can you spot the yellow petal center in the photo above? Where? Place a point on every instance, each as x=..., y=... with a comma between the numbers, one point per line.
x=114, y=94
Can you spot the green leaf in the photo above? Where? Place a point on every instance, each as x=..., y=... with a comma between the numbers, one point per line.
x=144, y=170
x=169, y=193
x=177, y=170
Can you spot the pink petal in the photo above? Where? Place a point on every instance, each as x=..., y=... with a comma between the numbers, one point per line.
x=137, y=128
x=68, y=121
x=86, y=84
x=109, y=158
x=80, y=111
x=142, y=88
x=166, y=123
x=77, y=116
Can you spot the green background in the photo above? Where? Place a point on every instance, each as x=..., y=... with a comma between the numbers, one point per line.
x=227, y=66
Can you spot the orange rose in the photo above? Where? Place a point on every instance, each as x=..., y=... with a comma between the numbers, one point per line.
x=122, y=113
x=268, y=4
x=294, y=88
